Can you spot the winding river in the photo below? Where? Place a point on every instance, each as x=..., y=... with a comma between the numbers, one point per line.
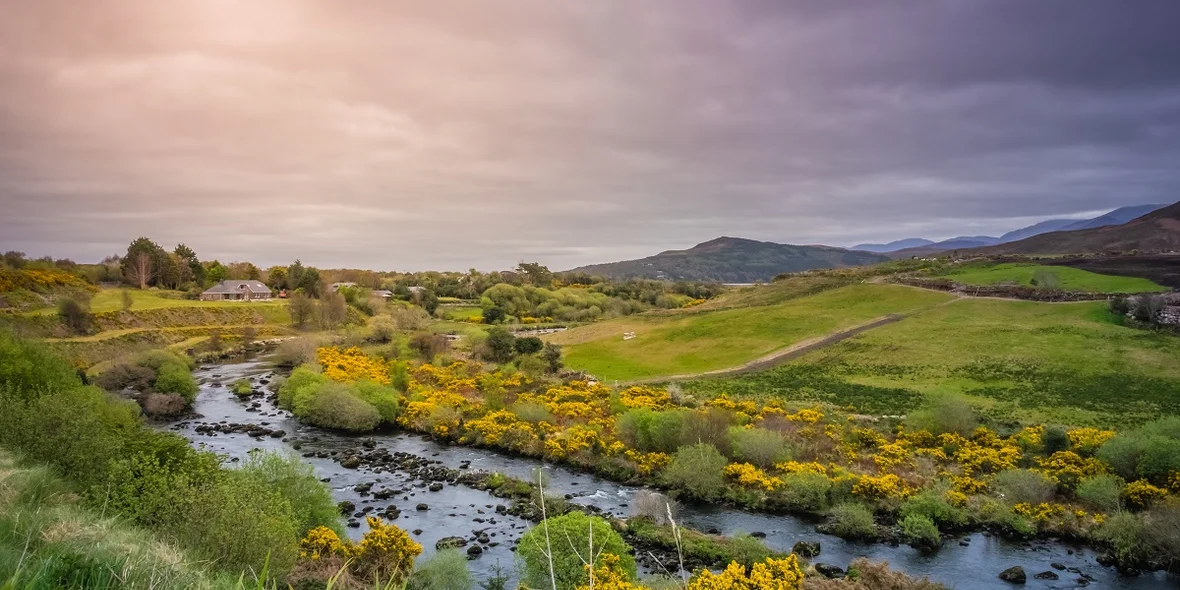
x=967, y=562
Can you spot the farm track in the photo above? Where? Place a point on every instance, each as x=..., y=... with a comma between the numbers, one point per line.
x=784, y=355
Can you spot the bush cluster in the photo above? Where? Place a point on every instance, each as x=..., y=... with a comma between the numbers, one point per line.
x=236, y=519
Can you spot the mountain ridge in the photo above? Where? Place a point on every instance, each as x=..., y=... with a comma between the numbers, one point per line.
x=729, y=259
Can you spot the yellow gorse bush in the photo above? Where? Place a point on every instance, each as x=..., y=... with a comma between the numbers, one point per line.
x=771, y=574
x=351, y=364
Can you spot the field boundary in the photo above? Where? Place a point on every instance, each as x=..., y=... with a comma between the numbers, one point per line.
x=782, y=355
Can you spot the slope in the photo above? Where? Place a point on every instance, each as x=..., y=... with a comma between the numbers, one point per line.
x=732, y=260
x=1156, y=231
x=691, y=342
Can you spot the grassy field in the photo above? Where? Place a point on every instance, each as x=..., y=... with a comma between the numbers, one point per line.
x=112, y=300
x=673, y=343
x=1070, y=279
x=1064, y=363
x=458, y=313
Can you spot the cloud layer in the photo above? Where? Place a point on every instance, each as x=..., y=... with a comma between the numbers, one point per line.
x=448, y=135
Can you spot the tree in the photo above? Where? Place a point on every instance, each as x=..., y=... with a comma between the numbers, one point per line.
x=139, y=265
x=294, y=274
x=216, y=272
x=428, y=344
x=528, y=345
x=333, y=309
x=301, y=308
x=14, y=260
x=276, y=277
x=552, y=354
x=500, y=345
x=74, y=315
x=493, y=314
x=557, y=551
x=428, y=300
x=535, y=274
x=309, y=281
x=191, y=269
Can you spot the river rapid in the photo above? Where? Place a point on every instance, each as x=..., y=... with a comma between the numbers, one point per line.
x=967, y=562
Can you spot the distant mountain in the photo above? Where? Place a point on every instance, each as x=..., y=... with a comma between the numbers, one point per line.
x=1157, y=230
x=732, y=260
x=893, y=246
x=1117, y=217
x=1038, y=228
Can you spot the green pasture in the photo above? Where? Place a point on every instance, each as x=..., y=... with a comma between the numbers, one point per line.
x=1069, y=279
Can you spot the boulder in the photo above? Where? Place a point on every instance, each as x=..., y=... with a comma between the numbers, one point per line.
x=474, y=551
x=828, y=570
x=1047, y=575
x=1057, y=566
x=450, y=543
x=351, y=462
x=1014, y=575
x=346, y=507
x=422, y=506
x=806, y=549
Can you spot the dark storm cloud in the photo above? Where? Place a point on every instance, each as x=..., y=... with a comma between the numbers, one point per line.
x=450, y=135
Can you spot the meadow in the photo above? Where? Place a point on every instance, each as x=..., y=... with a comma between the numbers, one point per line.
x=112, y=300
x=1069, y=279
x=685, y=342
x=1052, y=363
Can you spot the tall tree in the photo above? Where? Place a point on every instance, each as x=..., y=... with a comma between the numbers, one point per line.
x=192, y=270
x=139, y=265
x=216, y=272
x=276, y=277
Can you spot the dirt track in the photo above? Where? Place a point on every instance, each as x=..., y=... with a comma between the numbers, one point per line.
x=782, y=355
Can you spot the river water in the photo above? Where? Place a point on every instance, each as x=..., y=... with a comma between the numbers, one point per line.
x=968, y=562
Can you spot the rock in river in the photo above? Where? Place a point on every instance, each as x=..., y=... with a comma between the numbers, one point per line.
x=450, y=543
x=1013, y=575
x=806, y=549
x=828, y=570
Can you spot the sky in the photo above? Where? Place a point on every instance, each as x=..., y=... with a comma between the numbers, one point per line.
x=448, y=135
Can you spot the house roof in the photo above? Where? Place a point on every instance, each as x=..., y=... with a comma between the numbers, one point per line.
x=238, y=287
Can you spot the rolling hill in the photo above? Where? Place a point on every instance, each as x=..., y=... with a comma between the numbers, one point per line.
x=1158, y=230
x=893, y=246
x=732, y=260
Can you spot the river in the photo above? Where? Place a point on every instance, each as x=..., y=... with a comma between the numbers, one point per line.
x=967, y=562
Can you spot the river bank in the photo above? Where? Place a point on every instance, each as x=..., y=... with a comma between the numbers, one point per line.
x=458, y=510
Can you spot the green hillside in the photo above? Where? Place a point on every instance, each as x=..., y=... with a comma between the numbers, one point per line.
x=1057, y=363
x=1062, y=277
x=687, y=342
x=732, y=260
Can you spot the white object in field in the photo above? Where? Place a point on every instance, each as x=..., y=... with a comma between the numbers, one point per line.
x=628, y=335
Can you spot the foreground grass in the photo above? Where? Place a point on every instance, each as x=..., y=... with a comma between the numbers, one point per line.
x=48, y=541
x=688, y=342
x=1070, y=279
x=1053, y=363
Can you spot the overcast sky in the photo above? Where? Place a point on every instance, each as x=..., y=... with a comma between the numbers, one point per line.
x=448, y=134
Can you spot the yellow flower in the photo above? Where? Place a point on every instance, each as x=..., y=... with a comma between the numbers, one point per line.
x=1141, y=494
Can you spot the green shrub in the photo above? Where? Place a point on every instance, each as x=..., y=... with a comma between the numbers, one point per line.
x=759, y=446
x=1124, y=532
x=242, y=387
x=920, y=531
x=176, y=378
x=802, y=492
x=335, y=405
x=710, y=426
x=1160, y=458
x=1054, y=439
x=1001, y=515
x=1101, y=492
x=445, y=570
x=382, y=397
x=1122, y=454
x=155, y=359
x=28, y=369
x=1023, y=485
x=697, y=471
x=944, y=414
x=852, y=520
x=533, y=412
x=931, y=503
x=747, y=550
x=295, y=480
x=650, y=430
x=299, y=387
x=528, y=345
x=569, y=535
